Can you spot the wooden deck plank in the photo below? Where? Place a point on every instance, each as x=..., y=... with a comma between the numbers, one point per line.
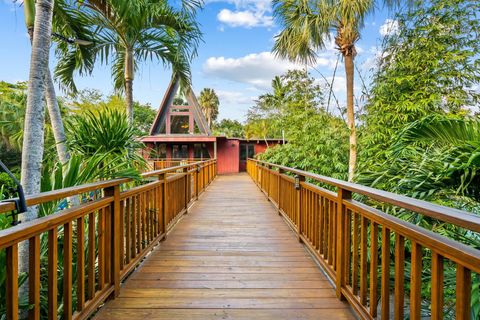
x=231, y=257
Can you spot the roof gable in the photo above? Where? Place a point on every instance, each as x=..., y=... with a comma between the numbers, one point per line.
x=167, y=110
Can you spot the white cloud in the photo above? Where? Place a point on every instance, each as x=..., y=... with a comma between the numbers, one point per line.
x=256, y=69
x=247, y=13
x=245, y=18
x=389, y=27
x=233, y=98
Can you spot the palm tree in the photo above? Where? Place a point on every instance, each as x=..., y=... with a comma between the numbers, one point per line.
x=128, y=32
x=307, y=27
x=33, y=138
x=209, y=103
x=50, y=95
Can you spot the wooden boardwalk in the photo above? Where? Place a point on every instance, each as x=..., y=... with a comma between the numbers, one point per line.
x=231, y=257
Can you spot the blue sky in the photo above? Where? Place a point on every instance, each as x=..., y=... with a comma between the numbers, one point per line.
x=234, y=58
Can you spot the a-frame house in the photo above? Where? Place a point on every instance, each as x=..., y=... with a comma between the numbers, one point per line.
x=180, y=131
x=179, y=119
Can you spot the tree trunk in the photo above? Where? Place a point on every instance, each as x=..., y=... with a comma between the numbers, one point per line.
x=33, y=137
x=349, y=72
x=129, y=84
x=56, y=120
x=51, y=97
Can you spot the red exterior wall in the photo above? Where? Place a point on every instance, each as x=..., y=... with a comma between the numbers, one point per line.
x=228, y=156
x=260, y=147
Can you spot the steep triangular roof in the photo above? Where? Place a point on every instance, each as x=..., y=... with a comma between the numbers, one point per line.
x=167, y=103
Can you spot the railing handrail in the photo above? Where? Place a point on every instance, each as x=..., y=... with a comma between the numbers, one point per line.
x=53, y=195
x=446, y=214
x=105, y=237
x=353, y=243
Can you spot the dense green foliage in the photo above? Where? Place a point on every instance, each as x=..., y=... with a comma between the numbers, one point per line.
x=92, y=100
x=431, y=65
x=317, y=140
x=229, y=128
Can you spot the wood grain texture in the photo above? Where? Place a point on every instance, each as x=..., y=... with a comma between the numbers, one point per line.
x=231, y=257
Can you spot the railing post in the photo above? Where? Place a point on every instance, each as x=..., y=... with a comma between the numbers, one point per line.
x=163, y=176
x=341, y=240
x=115, y=240
x=280, y=171
x=267, y=184
x=197, y=180
x=187, y=198
x=298, y=196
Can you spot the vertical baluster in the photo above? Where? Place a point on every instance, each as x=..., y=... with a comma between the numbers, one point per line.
x=52, y=273
x=331, y=226
x=463, y=293
x=373, y=268
x=326, y=236
x=138, y=214
x=341, y=250
x=355, y=262
x=34, y=278
x=321, y=218
x=12, y=282
x=416, y=282
x=128, y=230
x=164, y=202
x=91, y=256
x=133, y=227
x=299, y=206
x=399, y=276
x=279, y=201
x=385, y=289
x=316, y=229
x=437, y=287
x=67, y=270
x=80, y=264
x=143, y=230
x=121, y=230
x=363, y=260
x=101, y=248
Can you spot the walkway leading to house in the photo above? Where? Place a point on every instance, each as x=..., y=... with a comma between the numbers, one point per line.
x=231, y=257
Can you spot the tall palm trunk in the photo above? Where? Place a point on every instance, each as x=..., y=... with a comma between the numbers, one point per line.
x=56, y=120
x=51, y=97
x=129, y=75
x=349, y=72
x=33, y=138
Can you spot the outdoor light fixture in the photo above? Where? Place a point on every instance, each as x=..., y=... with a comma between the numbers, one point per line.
x=20, y=204
x=297, y=182
x=80, y=42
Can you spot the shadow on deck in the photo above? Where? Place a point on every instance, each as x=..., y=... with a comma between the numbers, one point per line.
x=231, y=257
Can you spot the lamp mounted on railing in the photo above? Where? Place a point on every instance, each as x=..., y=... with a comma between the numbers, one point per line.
x=297, y=182
x=20, y=204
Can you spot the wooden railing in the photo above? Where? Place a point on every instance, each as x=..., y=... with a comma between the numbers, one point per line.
x=103, y=239
x=157, y=164
x=355, y=243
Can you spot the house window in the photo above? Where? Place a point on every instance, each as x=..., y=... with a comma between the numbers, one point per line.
x=180, y=124
x=200, y=151
x=180, y=151
x=161, y=150
x=247, y=151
